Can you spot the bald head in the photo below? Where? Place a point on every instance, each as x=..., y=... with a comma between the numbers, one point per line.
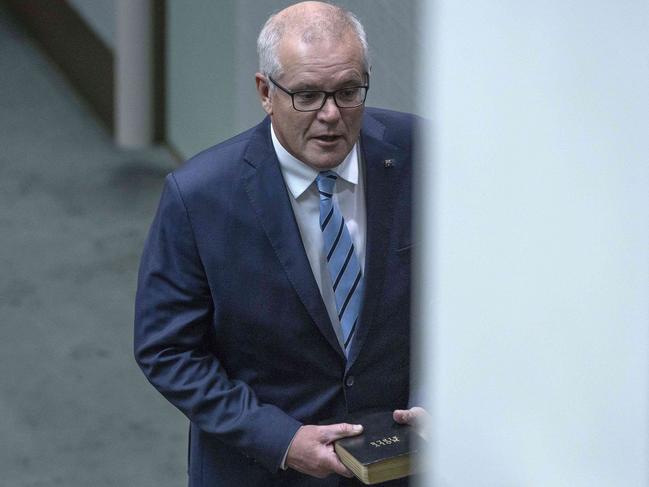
x=309, y=22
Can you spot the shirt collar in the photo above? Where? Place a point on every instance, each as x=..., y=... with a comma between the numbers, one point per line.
x=299, y=176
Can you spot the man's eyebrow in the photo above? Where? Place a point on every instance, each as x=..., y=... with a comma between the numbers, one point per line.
x=307, y=86
x=314, y=86
x=352, y=82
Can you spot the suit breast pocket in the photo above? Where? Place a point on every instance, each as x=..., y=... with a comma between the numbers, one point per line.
x=405, y=248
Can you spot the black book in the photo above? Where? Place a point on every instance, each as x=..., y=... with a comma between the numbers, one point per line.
x=386, y=450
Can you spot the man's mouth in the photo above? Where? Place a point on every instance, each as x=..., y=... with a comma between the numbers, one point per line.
x=327, y=138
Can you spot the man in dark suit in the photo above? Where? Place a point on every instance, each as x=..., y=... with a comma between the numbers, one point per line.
x=274, y=288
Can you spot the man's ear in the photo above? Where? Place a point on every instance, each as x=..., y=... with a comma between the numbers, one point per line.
x=263, y=90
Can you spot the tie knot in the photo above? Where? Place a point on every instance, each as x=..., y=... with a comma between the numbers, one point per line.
x=326, y=181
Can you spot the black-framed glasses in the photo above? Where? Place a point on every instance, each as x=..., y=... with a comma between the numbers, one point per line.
x=314, y=100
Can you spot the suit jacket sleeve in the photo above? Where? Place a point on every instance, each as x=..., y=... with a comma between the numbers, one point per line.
x=173, y=318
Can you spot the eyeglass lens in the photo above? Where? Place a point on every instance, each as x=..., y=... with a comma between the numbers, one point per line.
x=314, y=100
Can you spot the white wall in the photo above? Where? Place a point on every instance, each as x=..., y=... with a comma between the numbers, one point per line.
x=538, y=321
x=100, y=16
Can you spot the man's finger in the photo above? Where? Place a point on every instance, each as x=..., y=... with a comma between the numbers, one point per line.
x=416, y=417
x=401, y=416
x=338, y=467
x=341, y=430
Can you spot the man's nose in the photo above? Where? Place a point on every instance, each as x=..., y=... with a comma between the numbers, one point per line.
x=329, y=111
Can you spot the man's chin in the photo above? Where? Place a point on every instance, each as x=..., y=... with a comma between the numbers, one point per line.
x=322, y=164
x=322, y=159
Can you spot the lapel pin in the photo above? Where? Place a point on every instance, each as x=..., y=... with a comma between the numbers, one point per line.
x=388, y=163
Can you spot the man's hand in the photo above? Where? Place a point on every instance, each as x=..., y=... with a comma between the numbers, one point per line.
x=416, y=417
x=312, y=451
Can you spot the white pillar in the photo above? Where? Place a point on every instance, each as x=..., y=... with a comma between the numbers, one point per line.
x=134, y=73
x=539, y=233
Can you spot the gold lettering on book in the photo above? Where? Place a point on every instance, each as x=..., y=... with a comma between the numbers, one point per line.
x=385, y=441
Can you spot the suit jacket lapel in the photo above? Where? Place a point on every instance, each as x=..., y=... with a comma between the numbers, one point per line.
x=269, y=198
x=382, y=181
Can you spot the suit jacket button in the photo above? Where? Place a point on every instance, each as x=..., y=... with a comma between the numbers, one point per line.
x=349, y=381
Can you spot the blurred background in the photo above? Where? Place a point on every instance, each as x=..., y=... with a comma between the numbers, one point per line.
x=99, y=100
x=534, y=225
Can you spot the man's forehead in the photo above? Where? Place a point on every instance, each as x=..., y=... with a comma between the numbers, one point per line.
x=294, y=47
x=312, y=75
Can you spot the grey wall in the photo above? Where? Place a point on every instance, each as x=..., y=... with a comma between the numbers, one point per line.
x=100, y=16
x=212, y=61
x=200, y=81
x=538, y=317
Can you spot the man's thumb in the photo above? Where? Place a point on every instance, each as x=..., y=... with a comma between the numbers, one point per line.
x=342, y=430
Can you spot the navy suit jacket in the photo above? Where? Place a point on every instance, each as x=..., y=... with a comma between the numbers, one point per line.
x=230, y=326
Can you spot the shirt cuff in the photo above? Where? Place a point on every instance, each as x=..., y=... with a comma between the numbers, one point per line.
x=283, y=465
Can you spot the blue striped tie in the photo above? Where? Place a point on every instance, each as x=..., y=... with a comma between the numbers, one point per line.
x=342, y=262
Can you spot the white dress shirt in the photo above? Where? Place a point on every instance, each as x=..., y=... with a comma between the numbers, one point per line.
x=349, y=195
